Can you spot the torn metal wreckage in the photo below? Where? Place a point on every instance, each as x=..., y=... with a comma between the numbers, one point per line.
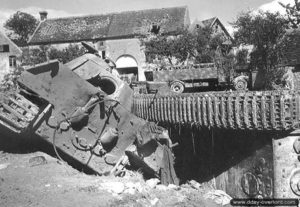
x=85, y=112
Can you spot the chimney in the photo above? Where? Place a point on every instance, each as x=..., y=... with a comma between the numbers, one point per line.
x=43, y=15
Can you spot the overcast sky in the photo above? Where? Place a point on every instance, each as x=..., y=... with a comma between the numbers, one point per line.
x=226, y=10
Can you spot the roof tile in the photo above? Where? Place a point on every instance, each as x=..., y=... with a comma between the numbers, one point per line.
x=114, y=25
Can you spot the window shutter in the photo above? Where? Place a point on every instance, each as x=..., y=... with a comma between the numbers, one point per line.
x=4, y=48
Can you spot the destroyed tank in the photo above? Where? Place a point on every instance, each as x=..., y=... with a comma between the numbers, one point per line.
x=84, y=111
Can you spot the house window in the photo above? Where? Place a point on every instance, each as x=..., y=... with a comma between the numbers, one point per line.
x=103, y=54
x=216, y=27
x=4, y=48
x=12, y=61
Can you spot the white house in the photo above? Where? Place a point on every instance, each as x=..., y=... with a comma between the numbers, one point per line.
x=9, y=52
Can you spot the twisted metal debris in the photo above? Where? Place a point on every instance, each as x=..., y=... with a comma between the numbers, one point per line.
x=260, y=110
x=16, y=112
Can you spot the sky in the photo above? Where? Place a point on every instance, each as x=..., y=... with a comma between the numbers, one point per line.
x=225, y=10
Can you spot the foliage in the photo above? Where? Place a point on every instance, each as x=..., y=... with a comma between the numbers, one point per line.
x=241, y=57
x=38, y=55
x=22, y=25
x=198, y=46
x=262, y=30
x=9, y=82
x=204, y=46
x=183, y=46
x=32, y=56
x=163, y=47
x=225, y=62
x=67, y=54
x=293, y=13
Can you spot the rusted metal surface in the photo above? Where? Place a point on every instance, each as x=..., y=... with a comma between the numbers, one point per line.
x=260, y=110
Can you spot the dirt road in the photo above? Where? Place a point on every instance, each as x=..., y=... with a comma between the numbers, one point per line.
x=39, y=180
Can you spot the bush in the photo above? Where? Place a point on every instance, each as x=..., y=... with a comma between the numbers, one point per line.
x=241, y=57
x=9, y=82
x=32, y=56
x=67, y=54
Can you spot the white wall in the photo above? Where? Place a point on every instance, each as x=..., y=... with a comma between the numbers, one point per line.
x=4, y=65
x=115, y=49
x=132, y=47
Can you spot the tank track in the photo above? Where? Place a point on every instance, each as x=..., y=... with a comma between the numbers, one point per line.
x=253, y=110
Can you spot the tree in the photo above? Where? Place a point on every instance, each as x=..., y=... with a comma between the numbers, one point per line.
x=241, y=57
x=293, y=13
x=182, y=47
x=161, y=47
x=198, y=46
x=67, y=54
x=203, y=46
x=263, y=31
x=40, y=54
x=32, y=56
x=22, y=26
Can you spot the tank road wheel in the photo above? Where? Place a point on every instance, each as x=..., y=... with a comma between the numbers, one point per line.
x=177, y=87
x=240, y=85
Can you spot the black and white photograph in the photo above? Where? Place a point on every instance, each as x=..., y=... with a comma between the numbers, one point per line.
x=162, y=103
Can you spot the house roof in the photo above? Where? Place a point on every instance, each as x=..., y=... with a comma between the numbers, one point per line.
x=209, y=22
x=291, y=47
x=13, y=49
x=109, y=26
x=203, y=23
x=223, y=27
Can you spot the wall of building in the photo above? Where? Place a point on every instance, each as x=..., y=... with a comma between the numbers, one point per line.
x=7, y=49
x=115, y=49
x=217, y=29
x=129, y=47
x=4, y=64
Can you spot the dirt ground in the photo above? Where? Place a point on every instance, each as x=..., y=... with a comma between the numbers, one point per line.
x=39, y=180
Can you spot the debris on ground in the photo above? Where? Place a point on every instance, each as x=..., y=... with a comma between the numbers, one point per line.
x=38, y=160
x=113, y=187
x=4, y=165
x=52, y=184
x=152, y=182
x=218, y=196
x=195, y=184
